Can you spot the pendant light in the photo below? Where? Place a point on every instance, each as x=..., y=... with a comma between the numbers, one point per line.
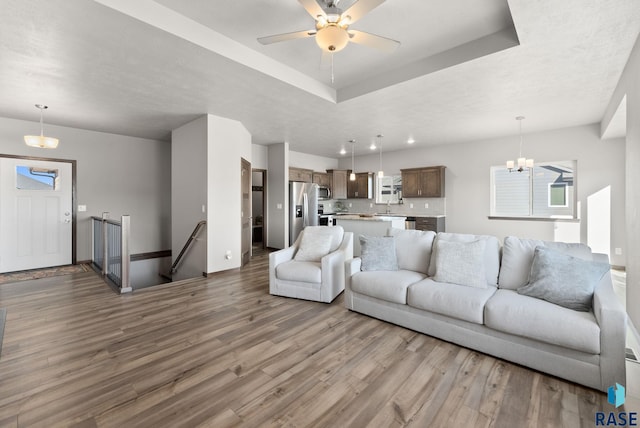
x=380, y=172
x=41, y=141
x=352, y=176
x=521, y=162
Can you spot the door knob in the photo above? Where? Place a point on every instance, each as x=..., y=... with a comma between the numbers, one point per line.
x=67, y=213
x=66, y=220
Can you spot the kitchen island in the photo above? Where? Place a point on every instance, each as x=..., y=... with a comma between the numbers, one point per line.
x=369, y=225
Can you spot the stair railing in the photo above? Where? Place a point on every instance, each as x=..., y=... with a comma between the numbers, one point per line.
x=110, y=250
x=194, y=234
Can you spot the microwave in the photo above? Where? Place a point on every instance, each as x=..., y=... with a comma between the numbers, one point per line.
x=324, y=193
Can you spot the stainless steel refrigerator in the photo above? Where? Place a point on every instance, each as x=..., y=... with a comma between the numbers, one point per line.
x=303, y=207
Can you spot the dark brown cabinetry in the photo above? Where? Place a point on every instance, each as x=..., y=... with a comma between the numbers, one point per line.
x=300, y=174
x=362, y=187
x=435, y=224
x=339, y=178
x=425, y=182
x=322, y=179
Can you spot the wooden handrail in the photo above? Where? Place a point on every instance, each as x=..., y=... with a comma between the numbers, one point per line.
x=174, y=266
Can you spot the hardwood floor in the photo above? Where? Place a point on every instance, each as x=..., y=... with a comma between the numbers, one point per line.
x=221, y=351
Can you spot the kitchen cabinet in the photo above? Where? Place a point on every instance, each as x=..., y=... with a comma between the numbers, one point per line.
x=427, y=182
x=339, y=178
x=362, y=187
x=322, y=179
x=434, y=224
x=300, y=174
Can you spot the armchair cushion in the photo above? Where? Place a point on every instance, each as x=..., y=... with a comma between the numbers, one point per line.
x=299, y=271
x=314, y=244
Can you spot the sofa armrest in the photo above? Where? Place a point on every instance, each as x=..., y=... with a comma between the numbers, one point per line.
x=612, y=319
x=350, y=268
x=333, y=268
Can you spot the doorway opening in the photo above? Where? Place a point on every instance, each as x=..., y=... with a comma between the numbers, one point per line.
x=258, y=197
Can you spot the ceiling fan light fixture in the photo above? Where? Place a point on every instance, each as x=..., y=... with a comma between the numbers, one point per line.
x=332, y=38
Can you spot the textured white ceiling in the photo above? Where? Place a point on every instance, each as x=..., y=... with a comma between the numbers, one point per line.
x=129, y=73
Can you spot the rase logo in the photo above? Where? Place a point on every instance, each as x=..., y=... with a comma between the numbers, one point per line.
x=615, y=397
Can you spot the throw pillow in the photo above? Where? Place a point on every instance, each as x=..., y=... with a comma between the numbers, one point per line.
x=313, y=246
x=378, y=253
x=460, y=263
x=563, y=279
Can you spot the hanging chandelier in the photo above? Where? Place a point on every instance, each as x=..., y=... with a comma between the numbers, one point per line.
x=41, y=141
x=521, y=162
x=352, y=176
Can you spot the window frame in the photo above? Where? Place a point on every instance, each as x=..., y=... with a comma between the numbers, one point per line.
x=571, y=201
x=566, y=195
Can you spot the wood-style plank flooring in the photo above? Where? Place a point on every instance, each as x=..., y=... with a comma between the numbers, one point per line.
x=221, y=351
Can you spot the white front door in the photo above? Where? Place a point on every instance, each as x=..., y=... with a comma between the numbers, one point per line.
x=35, y=214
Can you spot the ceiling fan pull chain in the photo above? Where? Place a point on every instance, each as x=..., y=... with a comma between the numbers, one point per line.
x=332, y=76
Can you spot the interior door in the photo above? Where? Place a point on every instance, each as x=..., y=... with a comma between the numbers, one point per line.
x=245, y=168
x=36, y=214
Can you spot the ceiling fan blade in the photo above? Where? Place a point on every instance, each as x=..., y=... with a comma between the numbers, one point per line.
x=360, y=9
x=373, y=41
x=313, y=8
x=286, y=36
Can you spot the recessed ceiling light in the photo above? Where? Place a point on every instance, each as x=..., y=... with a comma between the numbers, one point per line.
x=373, y=146
x=411, y=141
x=343, y=151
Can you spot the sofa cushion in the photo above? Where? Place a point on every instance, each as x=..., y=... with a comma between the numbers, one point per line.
x=517, y=256
x=513, y=313
x=385, y=285
x=299, y=271
x=562, y=279
x=413, y=248
x=457, y=301
x=313, y=246
x=460, y=263
x=378, y=253
x=491, y=254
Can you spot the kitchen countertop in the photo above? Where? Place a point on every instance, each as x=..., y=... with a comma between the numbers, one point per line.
x=368, y=217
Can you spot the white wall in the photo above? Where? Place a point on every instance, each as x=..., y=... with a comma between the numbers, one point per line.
x=277, y=201
x=467, y=192
x=259, y=157
x=629, y=86
x=228, y=142
x=189, y=195
x=115, y=173
x=316, y=163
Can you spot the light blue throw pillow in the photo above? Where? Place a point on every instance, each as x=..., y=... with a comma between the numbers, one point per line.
x=378, y=253
x=460, y=263
x=563, y=279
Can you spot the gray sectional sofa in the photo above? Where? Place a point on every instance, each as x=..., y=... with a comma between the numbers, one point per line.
x=488, y=314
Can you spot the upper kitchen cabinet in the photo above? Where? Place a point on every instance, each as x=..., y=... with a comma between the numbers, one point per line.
x=362, y=187
x=322, y=179
x=427, y=182
x=339, y=179
x=300, y=174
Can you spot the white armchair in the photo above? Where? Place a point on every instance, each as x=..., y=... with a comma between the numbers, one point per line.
x=318, y=275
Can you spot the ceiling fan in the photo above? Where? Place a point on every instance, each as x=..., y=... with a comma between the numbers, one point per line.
x=332, y=31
